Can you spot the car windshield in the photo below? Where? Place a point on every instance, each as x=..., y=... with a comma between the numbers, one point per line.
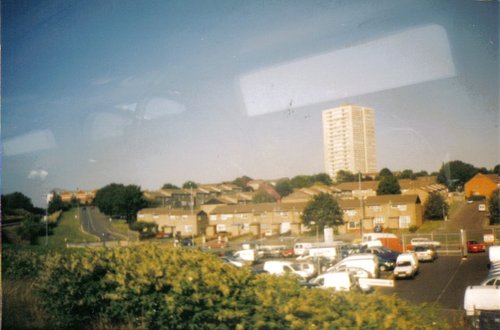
x=403, y=263
x=152, y=93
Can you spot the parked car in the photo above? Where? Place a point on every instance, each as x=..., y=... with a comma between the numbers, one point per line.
x=366, y=261
x=302, y=270
x=187, y=242
x=425, y=253
x=475, y=246
x=406, y=265
x=233, y=261
x=492, y=280
x=339, y=281
x=418, y=241
x=323, y=262
x=481, y=207
x=387, y=257
x=480, y=298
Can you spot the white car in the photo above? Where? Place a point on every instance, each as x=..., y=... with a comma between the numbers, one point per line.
x=406, y=265
x=422, y=241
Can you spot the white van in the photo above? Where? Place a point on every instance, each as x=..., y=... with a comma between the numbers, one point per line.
x=494, y=253
x=406, y=265
x=481, y=298
x=366, y=261
x=340, y=281
x=247, y=255
x=304, y=270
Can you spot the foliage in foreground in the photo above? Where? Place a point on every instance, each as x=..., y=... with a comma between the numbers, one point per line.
x=174, y=288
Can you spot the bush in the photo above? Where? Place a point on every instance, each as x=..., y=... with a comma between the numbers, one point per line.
x=21, y=264
x=175, y=288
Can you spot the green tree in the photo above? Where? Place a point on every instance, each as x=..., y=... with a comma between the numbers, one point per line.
x=322, y=211
x=384, y=172
x=388, y=185
x=16, y=201
x=496, y=169
x=284, y=187
x=421, y=173
x=322, y=178
x=189, y=185
x=30, y=228
x=455, y=174
x=436, y=207
x=118, y=199
x=242, y=182
x=262, y=196
x=301, y=181
x=346, y=176
x=407, y=174
x=494, y=208
x=56, y=204
x=169, y=186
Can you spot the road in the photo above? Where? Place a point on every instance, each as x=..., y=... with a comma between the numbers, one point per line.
x=443, y=281
x=98, y=224
x=467, y=217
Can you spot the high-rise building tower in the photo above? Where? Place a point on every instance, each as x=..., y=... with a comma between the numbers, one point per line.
x=349, y=140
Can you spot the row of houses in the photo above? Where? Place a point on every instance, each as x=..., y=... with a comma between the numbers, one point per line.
x=266, y=219
x=228, y=193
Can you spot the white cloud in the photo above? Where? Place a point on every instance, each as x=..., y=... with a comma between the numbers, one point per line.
x=38, y=174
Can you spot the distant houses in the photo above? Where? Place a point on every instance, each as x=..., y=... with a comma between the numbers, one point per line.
x=482, y=185
x=231, y=211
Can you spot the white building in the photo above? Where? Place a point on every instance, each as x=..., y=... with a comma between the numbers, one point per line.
x=349, y=140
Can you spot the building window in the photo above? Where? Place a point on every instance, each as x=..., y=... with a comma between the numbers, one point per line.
x=226, y=216
x=379, y=220
x=404, y=221
x=172, y=217
x=375, y=208
x=188, y=228
x=353, y=224
x=221, y=228
x=213, y=217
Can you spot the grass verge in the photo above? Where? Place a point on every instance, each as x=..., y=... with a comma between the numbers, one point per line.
x=68, y=230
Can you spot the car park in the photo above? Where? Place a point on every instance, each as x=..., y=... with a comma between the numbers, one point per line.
x=475, y=246
x=425, y=253
x=406, y=265
x=417, y=241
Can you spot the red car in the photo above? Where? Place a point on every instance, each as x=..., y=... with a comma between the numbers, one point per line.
x=474, y=246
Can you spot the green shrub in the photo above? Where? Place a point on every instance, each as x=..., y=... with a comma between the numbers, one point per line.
x=149, y=287
x=21, y=264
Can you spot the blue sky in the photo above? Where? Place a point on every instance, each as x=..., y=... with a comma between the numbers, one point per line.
x=151, y=92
